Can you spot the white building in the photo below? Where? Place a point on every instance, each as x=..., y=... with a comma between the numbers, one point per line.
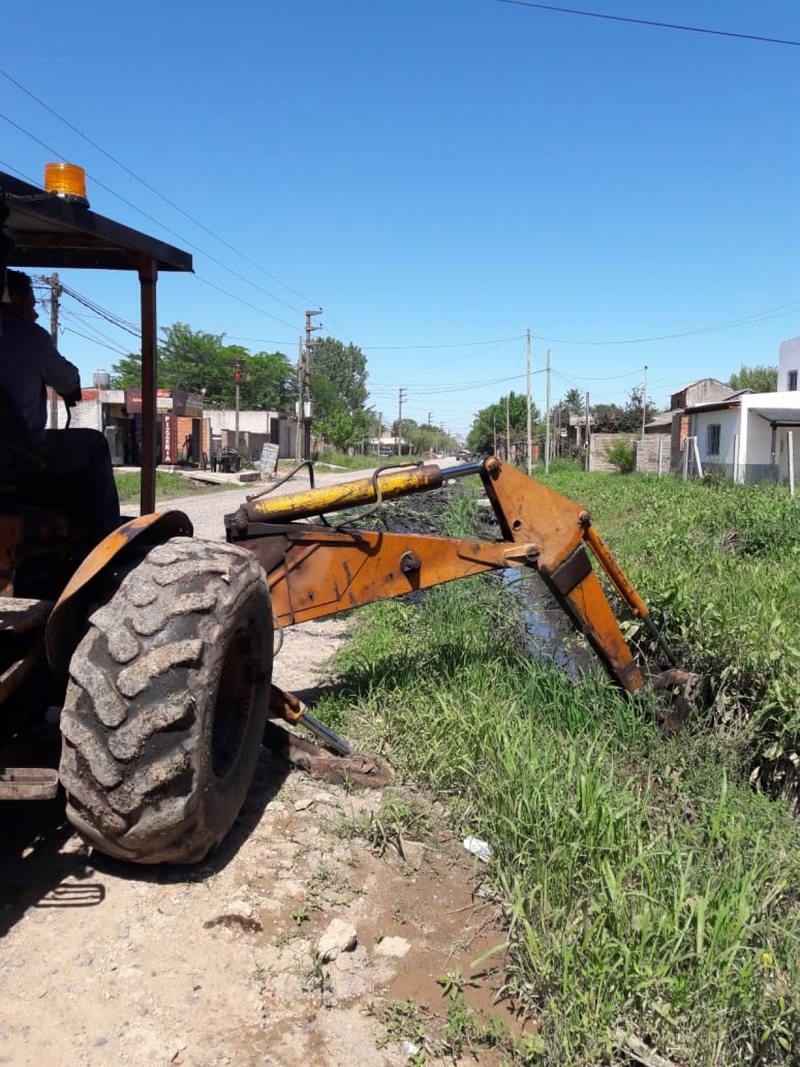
x=747, y=436
x=788, y=365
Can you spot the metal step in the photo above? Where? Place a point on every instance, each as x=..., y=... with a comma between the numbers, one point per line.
x=28, y=783
x=18, y=614
x=15, y=674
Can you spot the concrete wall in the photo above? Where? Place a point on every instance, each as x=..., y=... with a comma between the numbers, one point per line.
x=88, y=414
x=252, y=421
x=788, y=359
x=599, y=443
x=704, y=391
x=647, y=452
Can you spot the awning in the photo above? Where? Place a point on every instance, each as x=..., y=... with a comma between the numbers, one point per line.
x=50, y=231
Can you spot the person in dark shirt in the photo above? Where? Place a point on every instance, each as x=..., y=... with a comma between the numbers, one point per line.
x=29, y=362
x=29, y=359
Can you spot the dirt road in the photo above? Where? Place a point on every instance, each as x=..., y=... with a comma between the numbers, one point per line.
x=105, y=963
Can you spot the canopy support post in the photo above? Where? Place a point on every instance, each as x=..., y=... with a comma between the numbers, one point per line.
x=148, y=277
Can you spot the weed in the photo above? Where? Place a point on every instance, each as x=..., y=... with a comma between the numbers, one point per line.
x=284, y=938
x=647, y=886
x=327, y=887
x=401, y=1021
x=316, y=978
x=454, y=983
x=259, y=974
x=397, y=815
x=300, y=916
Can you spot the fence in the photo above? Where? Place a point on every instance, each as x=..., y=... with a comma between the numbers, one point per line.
x=652, y=452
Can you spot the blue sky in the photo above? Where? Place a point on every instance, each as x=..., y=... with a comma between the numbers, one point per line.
x=440, y=172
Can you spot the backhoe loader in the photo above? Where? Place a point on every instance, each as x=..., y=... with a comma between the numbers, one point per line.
x=154, y=648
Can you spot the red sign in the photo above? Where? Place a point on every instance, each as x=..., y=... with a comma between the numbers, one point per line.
x=169, y=439
x=133, y=400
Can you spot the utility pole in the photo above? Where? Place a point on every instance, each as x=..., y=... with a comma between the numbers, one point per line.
x=530, y=400
x=586, y=431
x=644, y=401
x=430, y=417
x=55, y=293
x=494, y=435
x=298, y=439
x=508, y=429
x=400, y=398
x=238, y=367
x=547, y=419
x=302, y=420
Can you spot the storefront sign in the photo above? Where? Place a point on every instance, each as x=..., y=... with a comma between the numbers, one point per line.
x=268, y=463
x=133, y=400
x=169, y=439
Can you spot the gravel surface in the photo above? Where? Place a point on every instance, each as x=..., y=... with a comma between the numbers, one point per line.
x=105, y=963
x=208, y=510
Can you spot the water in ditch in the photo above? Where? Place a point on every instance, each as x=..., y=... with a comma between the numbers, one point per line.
x=550, y=636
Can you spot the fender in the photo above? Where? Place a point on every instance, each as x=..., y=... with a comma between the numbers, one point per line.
x=67, y=623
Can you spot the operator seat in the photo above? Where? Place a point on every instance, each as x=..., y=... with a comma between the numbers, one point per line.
x=41, y=544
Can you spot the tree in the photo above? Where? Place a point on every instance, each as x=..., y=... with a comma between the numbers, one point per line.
x=481, y=437
x=611, y=418
x=573, y=402
x=343, y=430
x=201, y=362
x=338, y=377
x=760, y=379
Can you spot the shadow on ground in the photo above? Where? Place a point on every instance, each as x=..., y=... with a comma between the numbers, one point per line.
x=37, y=872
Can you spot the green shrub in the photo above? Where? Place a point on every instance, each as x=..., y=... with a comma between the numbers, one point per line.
x=622, y=455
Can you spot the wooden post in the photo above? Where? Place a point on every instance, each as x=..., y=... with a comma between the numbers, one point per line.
x=148, y=277
x=547, y=418
x=528, y=438
x=790, y=445
x=586, y=429
x=686, y=457
x=508, y=428
x=735, y=458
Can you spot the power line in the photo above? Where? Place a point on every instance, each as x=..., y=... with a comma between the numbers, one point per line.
x=74, y=316
x=748, y=320
x=157, y=222
x=241, y=300
x=462, y=344
x=104, y=313
x=605, y=378
x=651, y=22
x=112, y=348
x=152, y=188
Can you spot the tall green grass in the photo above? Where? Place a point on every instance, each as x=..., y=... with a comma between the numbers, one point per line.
x=360, y=462
x=649, y=890
x=720, y=564
x=167, y=485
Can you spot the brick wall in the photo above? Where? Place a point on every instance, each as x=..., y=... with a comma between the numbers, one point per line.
x=647, y=453
x=599, y=443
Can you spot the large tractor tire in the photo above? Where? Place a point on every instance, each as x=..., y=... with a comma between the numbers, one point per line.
x=166, y=704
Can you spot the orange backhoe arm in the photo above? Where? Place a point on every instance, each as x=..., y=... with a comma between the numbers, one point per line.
x=318, y=570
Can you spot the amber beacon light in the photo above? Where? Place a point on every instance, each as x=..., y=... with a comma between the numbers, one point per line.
x=67, y=180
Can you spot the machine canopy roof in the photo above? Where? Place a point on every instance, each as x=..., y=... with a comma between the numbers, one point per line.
x=51, y=231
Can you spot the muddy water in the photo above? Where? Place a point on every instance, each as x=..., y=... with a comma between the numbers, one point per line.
x=550, y=636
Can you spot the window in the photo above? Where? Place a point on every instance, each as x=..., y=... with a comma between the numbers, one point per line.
x=712, y=439
x=791, y=381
